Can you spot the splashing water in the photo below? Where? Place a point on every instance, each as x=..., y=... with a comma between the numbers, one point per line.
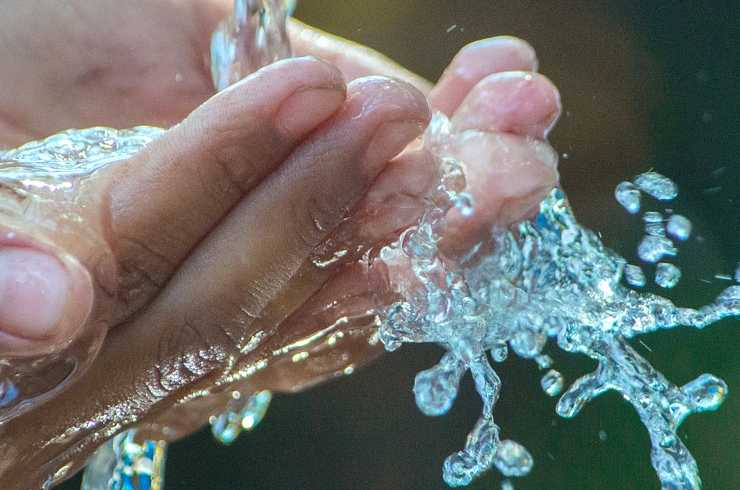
x=549, y=278
x=546, y=279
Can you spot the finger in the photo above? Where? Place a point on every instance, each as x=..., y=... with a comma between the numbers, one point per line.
x=355, y=60
x=522, y=103
x=45, y=295
x=294, y=211
x=234, y=282
x=508, y=170
x=165, y=199
x=475, y=62
x=331, y=334
x=508, y=174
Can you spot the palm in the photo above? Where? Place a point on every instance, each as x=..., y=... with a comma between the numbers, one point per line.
x=142, y=64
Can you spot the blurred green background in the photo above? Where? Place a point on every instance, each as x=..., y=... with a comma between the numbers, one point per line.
x=645, y=84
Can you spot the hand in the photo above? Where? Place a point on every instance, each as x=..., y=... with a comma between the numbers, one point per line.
x=208, y=290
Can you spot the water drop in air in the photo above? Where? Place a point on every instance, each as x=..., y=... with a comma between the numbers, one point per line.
x=667, y=275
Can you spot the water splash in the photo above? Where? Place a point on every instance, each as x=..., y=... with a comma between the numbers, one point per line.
x=125, y=464
x=548, y=278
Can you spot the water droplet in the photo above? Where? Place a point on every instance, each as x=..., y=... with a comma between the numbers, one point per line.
x=667, y=275
x=653, y=248
x=654, y=223
x=543, y=361
x=464, y=204
x=513, y=459
x=255, y=409
x=628, y=196
x=507, y=485
x=8, y=393
x=679, y=227
x=602, y=435
x=634, y=276
x=707, y=392
x=656, y=185
x=436, y=389
x=500, y=353
x=552, y=383
x=737, y=273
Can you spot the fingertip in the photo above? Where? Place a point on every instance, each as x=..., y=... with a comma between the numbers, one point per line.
x=383, y=98
x=476, y=61
x=522, y=103
x=44, y=300
x=397, y=111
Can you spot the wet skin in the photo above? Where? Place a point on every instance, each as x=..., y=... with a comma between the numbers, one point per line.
x=208, y=238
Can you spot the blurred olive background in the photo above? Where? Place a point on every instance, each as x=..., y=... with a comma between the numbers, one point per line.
x=645, y=84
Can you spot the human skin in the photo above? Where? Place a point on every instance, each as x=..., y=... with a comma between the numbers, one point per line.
x=207, y=236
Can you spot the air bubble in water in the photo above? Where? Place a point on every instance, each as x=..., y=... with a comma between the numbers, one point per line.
x=667, y=275
x=656, y=185
x=628, y=196
x=679, y=227
x=552, y=383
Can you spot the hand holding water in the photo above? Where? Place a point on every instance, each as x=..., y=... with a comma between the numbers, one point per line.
x=210, y=233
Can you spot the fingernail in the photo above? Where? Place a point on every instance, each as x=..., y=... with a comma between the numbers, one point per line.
x=306, y=109
x=34, y=289
x=390, y=139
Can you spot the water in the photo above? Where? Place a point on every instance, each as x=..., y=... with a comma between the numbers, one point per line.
x=634, y=275
x=253, y=37
x=552, y=383
x=243, y=414
x=124, y=463
x=667, y=275
x=679, y=227
x=628, y=195
x=657, y=186
x=547, y=279
x=46, y=178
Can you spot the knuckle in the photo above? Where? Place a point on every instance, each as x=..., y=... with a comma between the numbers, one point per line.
x=185, y=355
x=142, y=271
x=315, y=217
x=243, y=153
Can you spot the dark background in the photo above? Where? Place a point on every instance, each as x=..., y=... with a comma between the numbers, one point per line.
x=645, y=84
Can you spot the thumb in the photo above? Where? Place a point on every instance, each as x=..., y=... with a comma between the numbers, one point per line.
x=45, y=296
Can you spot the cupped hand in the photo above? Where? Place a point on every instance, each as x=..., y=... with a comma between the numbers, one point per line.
x=212, y=231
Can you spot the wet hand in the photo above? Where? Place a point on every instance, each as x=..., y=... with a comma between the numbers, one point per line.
x=185, y=314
